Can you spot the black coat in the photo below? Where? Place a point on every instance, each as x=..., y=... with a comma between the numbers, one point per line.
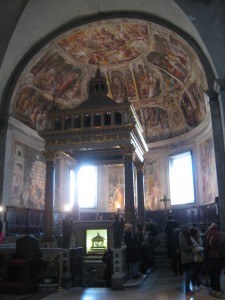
x=132, y=252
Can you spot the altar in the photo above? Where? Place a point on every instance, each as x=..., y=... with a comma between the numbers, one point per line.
x=95, y=237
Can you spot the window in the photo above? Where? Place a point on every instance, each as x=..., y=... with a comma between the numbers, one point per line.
x=72, y=191
x=181, y=179
x=87, y=187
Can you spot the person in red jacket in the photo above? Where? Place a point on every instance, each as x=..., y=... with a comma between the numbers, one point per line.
x=213, y=238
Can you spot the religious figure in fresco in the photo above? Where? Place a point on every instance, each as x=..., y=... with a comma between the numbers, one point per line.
x=153, y=192
x=198, y=101
x=131, y=91
x=208, y=171
x=188, y=111
x=28, y=184
x=147, y=64
x=156, y=123
x=41, y=120
x=111, y=43
x=118, y=197
x=115, y=187
x=17, y=183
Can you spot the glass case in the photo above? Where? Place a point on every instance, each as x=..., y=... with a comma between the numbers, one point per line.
x=96, y=241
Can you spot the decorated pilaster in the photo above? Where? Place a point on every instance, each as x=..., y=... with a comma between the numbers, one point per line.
x=128, y=155
x=218, y=138
x=48, y=239
x=140, y=191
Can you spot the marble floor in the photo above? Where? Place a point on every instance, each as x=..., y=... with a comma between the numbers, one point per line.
x=160, y=284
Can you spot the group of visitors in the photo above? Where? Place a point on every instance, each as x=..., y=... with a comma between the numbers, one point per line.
x=200, y=256
x=140, y=243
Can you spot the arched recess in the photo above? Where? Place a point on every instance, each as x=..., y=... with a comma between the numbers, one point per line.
x=43, y=43
x=121, y=76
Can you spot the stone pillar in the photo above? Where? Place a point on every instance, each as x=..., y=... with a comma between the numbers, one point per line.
x=140, y=191
x=219, y=87
x=48, y=240
x=119, y=268
x=218, y=138
x=128, y=153
x=3, y=138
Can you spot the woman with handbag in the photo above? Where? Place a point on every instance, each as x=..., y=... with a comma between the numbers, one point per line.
x=198, y=252
x=187, y=258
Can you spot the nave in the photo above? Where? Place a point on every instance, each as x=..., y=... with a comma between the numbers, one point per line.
x=160, y=284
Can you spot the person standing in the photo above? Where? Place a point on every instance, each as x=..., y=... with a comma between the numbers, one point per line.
x=213, y=238
x=170, y=226
x=132, y=253
x=187, y=258
x=175, y=252
x=198, y=252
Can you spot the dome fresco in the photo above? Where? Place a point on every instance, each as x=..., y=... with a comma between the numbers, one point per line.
x=148, y=64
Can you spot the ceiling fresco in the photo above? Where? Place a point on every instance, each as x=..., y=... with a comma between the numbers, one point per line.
x=151, y=66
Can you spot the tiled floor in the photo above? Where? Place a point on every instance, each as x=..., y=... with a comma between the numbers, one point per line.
x=159, y=285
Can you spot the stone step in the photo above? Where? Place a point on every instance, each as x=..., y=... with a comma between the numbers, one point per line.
x=130, y=283
x=161, y=260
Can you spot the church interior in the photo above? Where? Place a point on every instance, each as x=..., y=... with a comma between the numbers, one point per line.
x=107, y=110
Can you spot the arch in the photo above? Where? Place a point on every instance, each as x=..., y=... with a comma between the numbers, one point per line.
x=192, y=38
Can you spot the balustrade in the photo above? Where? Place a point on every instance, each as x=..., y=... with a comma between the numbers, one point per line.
x=62, y=121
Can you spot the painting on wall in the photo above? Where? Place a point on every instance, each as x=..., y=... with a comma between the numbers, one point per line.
x=208, y=172
x=155, y=123
x=153, y=189
x=116, y=187
x=143, y=62
x=28, y=178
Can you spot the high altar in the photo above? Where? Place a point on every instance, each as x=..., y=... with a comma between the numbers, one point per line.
x=98, y=131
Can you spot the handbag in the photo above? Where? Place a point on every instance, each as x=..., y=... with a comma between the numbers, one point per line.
x=197, y=249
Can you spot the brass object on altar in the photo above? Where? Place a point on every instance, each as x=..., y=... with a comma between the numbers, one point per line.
x=98, y=244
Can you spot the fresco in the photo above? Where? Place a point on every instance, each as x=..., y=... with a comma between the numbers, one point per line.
x=116, y=187
x=153, y=189
x=151, y=66
x=28, y=179
x=208, y=172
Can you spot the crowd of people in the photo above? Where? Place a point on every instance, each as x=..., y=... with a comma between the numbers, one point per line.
x=198, y=255
x=140, y=244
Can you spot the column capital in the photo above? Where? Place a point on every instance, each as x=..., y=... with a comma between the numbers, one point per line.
x=128, y=150
x=139, y=165
x=49, y=155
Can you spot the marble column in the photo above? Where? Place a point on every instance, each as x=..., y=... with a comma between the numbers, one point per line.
x=128, y=155
x=140, y=191
x=220, y=89
x=48, y=240
x=3, y=139
x=218, y=138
